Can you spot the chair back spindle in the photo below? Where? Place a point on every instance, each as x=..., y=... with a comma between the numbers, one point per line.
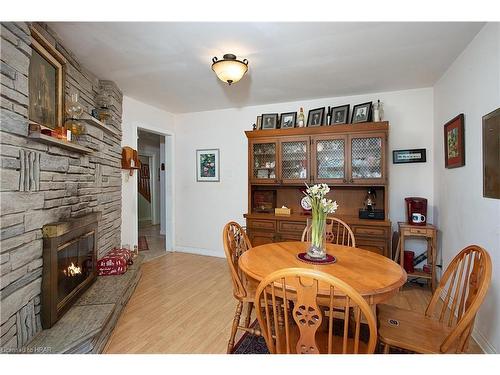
x=337, y=232
x=461, y=291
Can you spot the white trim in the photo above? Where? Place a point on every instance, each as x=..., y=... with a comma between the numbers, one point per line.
x=198, y=251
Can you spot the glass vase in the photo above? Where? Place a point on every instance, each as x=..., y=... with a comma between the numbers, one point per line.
x=316, y=238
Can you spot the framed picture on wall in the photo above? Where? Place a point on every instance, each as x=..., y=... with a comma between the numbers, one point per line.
x=454, y=142
x=207, y=165
x=45, y=83
x=491, y=160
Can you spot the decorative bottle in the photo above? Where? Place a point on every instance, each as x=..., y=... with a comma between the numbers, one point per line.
x=377, y=112
x=301, y=118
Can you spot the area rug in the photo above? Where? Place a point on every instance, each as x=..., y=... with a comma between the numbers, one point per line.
x=251, y=344
x=142, y=243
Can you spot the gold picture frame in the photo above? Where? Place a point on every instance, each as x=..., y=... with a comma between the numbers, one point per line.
x=45, y=83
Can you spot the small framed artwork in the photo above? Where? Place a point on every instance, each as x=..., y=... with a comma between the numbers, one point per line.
x=491, y=158
x=207, y=165
x=340, y=115
x=361, y=112
x=269, y=121
x=417, y=155
x=316, y=116
x=454, y=142
x=258, y=124
x=288, y=120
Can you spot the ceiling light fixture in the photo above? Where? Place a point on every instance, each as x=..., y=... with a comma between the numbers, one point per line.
x=229, y=69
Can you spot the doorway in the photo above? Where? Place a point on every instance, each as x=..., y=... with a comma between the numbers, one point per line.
x=151, y=203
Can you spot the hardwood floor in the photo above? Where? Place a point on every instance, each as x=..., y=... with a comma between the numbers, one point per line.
x=184, y=304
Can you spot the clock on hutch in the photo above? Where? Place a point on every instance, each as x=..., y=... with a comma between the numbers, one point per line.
x=350, y=158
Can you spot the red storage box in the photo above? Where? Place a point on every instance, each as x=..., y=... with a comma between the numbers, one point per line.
x=114, y=263
x=408, y=261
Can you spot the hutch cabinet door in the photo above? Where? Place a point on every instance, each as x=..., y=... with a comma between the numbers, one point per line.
x=294, y=160
x=258, y=238
x=329, y=159
x=367, y=159
x=263, y=168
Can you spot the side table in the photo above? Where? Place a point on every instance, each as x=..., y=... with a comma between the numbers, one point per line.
x=427, y=232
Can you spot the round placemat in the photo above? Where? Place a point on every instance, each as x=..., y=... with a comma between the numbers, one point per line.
x=330, y=259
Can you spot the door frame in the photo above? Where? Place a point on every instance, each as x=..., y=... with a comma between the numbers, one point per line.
x=168, y=194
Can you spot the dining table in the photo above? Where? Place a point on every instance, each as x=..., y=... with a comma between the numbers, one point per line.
x=376, y=277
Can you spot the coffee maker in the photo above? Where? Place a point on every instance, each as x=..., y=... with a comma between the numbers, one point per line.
x=416, y=210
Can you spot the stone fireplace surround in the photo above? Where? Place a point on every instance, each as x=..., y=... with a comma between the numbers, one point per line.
x=69, y=184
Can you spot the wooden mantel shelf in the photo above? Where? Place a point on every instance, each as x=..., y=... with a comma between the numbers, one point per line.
x=59, y=142
x=98, y=124
x=345, y=128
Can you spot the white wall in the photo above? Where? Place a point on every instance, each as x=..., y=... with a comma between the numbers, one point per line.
x=470, y=86
x=139, y=115
x=204, y=207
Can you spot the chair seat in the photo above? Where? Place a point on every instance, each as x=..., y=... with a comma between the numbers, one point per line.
x=415, y=332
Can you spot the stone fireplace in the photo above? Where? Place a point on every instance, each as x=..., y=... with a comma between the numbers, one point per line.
x=44, y=183
x=69, y=264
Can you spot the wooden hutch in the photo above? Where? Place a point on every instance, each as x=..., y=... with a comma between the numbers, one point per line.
x=349, y=158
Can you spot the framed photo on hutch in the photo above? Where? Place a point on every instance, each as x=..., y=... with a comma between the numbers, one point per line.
x=316, y=116
x=454, y=142
x=269, y=121
x=207, y=165
x=340, y=115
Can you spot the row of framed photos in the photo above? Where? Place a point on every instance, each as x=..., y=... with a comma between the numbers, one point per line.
x=316, y=117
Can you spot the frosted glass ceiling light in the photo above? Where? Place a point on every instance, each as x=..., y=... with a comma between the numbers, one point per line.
x=229, y=69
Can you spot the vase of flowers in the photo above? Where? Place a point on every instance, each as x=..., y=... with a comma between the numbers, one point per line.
x=321, y=207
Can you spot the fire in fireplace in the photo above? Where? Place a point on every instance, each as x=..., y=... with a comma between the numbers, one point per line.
x=69, y=264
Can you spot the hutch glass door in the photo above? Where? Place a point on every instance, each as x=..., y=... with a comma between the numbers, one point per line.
x=329, y=159
x=367, y=159
x=264, y=161
x=294, y=160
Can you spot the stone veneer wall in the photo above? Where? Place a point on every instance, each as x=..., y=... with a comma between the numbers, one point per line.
x=41, y=183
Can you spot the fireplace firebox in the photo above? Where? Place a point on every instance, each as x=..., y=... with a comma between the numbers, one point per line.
x=69, y=264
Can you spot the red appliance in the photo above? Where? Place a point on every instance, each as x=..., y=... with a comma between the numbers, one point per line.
x=416, y=210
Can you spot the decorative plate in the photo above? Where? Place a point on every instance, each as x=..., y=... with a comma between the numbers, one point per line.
x=306, y=203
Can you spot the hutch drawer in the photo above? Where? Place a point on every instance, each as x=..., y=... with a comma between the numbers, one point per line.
x=364, y=231
x=261, y=224
x=291, y=226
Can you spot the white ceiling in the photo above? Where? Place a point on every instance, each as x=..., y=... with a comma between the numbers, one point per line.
x=168, y=65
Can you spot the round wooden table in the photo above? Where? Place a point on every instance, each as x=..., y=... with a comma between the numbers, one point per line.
x=374, y=276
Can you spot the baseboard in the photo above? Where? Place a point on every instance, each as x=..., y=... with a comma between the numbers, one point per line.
x=199, y=251
x=483, y=343
x=481, y=340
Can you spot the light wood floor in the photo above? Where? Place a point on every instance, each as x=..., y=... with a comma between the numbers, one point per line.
x=184, y=304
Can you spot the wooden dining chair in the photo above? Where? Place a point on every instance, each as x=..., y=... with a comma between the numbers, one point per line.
x=307, y=328
x=337, y=232
x=449, y=318
x=236, y=242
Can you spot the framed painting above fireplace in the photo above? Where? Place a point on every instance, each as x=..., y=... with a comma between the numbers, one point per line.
x=45, y=83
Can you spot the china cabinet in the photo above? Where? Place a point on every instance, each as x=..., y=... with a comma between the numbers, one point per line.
x=349, y=158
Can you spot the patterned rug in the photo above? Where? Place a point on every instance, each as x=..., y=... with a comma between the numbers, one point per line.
x=142, y=243
x=251, y=344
